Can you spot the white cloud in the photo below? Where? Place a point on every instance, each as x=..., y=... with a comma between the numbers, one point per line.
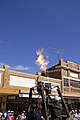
x=20, y=67
x=6, y=44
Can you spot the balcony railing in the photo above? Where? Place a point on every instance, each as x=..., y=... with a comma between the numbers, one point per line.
x=75, y=90
x=71, y=90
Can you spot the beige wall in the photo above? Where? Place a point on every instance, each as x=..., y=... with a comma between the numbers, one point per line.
x=13, y=81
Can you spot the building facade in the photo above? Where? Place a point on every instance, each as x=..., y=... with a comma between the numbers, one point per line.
x=15, y=87
x=69, y=73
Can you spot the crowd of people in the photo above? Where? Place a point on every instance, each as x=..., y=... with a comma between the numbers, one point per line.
x=11, y=115
x=33, y=114
x=36, y=113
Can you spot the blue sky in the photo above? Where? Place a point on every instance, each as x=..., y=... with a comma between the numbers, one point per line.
x=29, y=25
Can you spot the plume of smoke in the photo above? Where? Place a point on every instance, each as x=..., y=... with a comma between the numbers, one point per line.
x=41, y=59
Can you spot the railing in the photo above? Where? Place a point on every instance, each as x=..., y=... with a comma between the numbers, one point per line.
x=75, y=90
x=66, y=89
x=71, y=90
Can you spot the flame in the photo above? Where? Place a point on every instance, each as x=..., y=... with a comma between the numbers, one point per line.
x=42, y=59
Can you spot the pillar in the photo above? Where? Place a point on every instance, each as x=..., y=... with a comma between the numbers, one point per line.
x=3, y=103
x=6, y=76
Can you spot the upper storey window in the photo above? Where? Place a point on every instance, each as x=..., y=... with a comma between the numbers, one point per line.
x=75, y=83
x=66, y=82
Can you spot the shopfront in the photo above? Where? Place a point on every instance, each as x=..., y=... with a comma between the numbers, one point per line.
x=17, y=103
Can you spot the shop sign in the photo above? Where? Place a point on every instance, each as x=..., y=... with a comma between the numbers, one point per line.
x=21, y=81
x=11, y=97
x=27, y=95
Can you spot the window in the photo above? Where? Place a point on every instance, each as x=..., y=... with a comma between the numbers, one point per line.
x=66, y=82
x=75, y=83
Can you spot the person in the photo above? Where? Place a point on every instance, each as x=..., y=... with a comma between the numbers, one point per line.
x=55, y=108
x=8, y=114
x=12, y=115
x=34, y=113
x=17, y=115
x=23, y=116
x=30, y=115
x=71, y=113
x=38, y=114
x=79, y=115
x=75, y=115
x=2, y=117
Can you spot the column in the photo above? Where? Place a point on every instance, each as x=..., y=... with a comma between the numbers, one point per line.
x=3, y=104
x=69, y=81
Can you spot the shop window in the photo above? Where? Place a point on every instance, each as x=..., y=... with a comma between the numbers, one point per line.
x=75, y=83
x=66, y=82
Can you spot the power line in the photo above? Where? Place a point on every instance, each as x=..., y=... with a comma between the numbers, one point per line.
x=58, y=51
